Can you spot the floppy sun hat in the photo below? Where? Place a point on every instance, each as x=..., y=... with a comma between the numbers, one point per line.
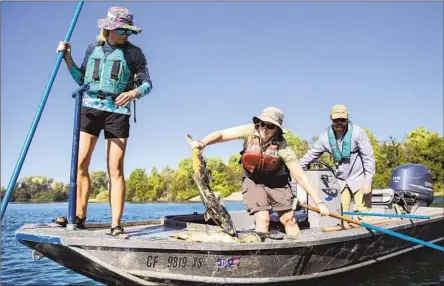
x=272, y=115
x=118, y=18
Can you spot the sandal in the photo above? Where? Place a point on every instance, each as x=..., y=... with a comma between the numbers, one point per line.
x=117, y=230
x=80, y=222
x=275, y=234
x=63, y=221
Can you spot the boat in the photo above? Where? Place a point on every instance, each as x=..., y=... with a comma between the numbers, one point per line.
x=163, y=251
x=221, y=247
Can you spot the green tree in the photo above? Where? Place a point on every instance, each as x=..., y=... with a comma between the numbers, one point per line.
x=183, y=186
x=137, y=186
x=59, y=192
x=103, y=197
x=168, y=177
x=218, y=172
x=427, y=148
x=306, y=145
x=296, y=143
x=393, y=152
x=32, y=188
x=234, y=176
x=156, y=185
x=99, y=182
x=382, y=175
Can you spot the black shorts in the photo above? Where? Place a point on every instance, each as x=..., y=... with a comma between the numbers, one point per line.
x=115, y=125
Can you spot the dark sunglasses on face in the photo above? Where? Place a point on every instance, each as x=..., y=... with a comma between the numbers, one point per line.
x=123, y=31
x=342, y=120
x=268, y=125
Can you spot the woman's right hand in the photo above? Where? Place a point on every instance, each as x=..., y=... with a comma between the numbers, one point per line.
x=64, y=47
x=197, y=144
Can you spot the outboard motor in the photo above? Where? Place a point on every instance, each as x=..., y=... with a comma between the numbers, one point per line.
x=413, y=182
x=410, y=187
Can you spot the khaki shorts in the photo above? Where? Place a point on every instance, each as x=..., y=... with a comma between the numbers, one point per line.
x=258, y=197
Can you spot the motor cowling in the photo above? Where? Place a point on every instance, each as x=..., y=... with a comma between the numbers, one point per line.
x=413, y=179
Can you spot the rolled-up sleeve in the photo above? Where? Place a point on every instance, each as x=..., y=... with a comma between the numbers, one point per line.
x=287, y=154
x=314, y=152
x=244, y=132
x=368, y=158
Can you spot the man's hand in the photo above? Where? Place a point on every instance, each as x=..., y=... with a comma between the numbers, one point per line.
x=366, y=189
x=125, y=97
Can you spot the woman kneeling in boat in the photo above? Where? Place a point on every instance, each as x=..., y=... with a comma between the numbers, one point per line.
x=268, y=161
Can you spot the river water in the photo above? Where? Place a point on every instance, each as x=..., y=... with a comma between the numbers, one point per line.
x=422, y=267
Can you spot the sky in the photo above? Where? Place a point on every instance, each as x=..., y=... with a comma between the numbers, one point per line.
x=216, y=65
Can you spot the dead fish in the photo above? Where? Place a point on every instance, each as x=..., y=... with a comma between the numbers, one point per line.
x=213, y=205
x=249, y=237
x=202, y=236
x=216, y=237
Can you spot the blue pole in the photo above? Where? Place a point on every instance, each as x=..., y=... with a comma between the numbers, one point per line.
x=387, y=215
x=78, y=94
x=36, y=120
x=402, y=236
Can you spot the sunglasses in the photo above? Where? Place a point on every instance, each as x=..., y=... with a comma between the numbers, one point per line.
x=121, y=31
x=268, y=125
x=342, y=120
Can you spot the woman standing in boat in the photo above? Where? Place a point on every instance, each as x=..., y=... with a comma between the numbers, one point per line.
x=268, y=161
x=109, y=67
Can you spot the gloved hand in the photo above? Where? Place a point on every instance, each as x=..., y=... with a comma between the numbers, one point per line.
x=366, y=189
x=324, y=210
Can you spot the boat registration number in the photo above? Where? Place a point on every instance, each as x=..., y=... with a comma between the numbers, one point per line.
x=155, y=261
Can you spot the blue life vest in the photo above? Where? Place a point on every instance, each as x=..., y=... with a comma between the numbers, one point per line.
x=107, y=76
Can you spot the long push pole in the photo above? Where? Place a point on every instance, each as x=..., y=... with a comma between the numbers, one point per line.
x=377, y=228
x=78, y=94
x=36, y=120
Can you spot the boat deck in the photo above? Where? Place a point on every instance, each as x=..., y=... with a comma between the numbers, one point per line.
x=157, y=233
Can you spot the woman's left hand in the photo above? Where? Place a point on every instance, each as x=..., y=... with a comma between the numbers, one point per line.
x=323, y=209
x=125, y=97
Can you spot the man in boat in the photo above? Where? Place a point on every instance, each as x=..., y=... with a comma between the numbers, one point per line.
x=109, y=67
x=268, y=161
x=352, y=154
